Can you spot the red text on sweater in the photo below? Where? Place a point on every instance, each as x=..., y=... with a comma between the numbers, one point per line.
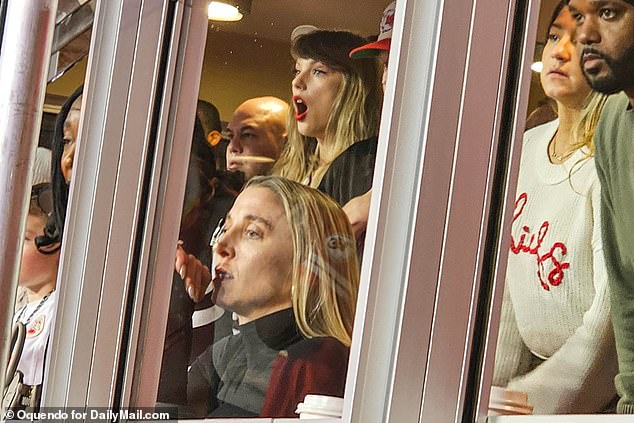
x=531, y=243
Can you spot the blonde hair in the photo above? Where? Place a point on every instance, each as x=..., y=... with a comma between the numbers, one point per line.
x=325, y=273
x=355, y=112
x=587, y=122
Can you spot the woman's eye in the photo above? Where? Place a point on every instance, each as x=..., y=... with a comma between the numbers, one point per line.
x=553, y=38
x=318, y=72
x=252, y=233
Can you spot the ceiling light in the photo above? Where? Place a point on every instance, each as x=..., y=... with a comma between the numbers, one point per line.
x=228, y=10
x=537, y=67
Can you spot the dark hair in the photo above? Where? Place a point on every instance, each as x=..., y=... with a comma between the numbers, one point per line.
x=556, y=11
x=202, y=151
x=209, y=117
x=332, y=48
x=50, y=241
x=204, y=184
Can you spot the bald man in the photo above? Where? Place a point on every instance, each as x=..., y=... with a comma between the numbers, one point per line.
x=257, y=134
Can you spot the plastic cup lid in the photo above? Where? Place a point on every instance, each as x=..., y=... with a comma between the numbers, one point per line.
x=321, y=404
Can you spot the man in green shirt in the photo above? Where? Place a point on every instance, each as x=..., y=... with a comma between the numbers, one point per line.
x=606, y=32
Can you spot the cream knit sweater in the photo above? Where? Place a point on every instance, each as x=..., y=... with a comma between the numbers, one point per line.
x=556, y=301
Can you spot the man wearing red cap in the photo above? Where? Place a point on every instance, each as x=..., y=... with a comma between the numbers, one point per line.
x=381, y=47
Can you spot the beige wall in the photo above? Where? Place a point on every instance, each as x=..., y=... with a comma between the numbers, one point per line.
x=67, y=83
x=238, y=67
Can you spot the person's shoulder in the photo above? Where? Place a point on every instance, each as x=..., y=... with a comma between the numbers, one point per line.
x=539, y=133
x=318, y=347
x=615, y=107
x=616, y=103
x=613, y=120
x=359, y=148
x=325, y=357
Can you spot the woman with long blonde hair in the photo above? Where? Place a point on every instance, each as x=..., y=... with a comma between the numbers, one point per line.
x=556, y=341
x=286, y=266
x=337, y=103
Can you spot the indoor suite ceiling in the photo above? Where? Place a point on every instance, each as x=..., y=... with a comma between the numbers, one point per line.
x=275, y=19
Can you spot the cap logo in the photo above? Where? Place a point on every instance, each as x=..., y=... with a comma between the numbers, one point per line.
x=387, y=22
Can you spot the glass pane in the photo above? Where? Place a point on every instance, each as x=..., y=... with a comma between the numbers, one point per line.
x=556, y=350
x=280, y=96
x=37, y=297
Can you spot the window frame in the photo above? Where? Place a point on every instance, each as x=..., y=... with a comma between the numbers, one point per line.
x=430, y=209
x=104, y=203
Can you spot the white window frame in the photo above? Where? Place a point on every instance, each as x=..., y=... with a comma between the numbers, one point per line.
x=105, y=192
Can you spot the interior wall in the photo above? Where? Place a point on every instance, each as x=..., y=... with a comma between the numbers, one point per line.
x=69, y=81
x=237, y=67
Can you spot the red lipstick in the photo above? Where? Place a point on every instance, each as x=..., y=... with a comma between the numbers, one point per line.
x=301, y=109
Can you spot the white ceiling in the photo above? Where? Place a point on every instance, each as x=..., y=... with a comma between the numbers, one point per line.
x=275, y=19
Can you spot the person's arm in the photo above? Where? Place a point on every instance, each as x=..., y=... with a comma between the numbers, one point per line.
x=512, y=357
x=357, y=210
x=578, y=378
x=622, y=291
x=194, y=274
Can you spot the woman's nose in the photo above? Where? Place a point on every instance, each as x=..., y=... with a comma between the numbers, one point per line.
x=564, y=49
x=224, y=247
x=298, y=81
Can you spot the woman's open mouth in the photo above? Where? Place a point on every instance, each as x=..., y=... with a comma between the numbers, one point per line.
x=301, y=109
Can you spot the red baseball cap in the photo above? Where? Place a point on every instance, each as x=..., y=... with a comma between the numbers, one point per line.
x=383, y=41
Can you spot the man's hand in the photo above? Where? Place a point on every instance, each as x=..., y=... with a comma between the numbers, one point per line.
x=357, y=211
x=191, y=270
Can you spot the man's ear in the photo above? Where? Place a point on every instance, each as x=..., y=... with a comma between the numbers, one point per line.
x=213, y=138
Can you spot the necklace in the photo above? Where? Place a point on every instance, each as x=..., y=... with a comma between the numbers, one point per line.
x=561, y=156
x=37, y=308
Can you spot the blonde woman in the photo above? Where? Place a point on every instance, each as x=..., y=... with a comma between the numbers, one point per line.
x=286, y=266
x=337, y=103
x=556, y=341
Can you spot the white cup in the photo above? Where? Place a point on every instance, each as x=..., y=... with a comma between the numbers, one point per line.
x=320, y=407
x=504, y=402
